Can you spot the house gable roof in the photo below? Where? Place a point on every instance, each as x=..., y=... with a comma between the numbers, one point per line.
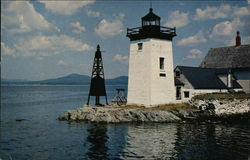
x=205, y=78
x=227, y=57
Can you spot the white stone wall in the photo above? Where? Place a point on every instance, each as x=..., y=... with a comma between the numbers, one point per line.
x=145, y=86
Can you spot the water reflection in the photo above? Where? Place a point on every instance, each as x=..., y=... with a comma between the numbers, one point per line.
x=150, y=141
x=195, y=142
x=106, y=141
x=211, y=142
x=97, y=138
x=117, y=140
x=168, y=141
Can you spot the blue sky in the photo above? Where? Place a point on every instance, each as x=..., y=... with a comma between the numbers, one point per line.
x=48, y=39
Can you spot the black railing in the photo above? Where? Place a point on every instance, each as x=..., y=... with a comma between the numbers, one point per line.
x=133, y=30
x=137, y=30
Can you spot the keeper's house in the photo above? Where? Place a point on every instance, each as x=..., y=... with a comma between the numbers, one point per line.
x=224, y=69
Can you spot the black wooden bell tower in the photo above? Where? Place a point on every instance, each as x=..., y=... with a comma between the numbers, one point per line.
x=97, y=85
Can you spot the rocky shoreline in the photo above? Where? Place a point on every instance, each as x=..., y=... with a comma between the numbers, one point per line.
x=205, y=110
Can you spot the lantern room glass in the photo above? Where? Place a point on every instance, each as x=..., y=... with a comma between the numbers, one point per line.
x=155, y=22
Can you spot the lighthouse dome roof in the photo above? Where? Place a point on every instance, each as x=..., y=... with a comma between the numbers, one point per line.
x=150, y=16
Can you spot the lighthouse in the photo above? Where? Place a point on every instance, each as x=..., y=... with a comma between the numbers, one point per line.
x=151, y=77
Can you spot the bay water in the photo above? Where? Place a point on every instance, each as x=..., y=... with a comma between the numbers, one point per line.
x=30, y=130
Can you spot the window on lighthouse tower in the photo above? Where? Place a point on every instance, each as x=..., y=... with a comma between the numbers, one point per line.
x=161, y=63
x=139, y=46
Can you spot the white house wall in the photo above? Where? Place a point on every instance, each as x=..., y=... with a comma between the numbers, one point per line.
x=223, y=78
x=245, y=84
x=203, y=91
x=184, y=80
x=194, y=92
x=243, y=78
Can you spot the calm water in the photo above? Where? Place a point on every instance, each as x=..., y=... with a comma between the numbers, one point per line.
x=41, y=136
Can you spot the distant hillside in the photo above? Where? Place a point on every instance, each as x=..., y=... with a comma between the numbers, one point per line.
x=4, y=80
x=118, y=80
x=72, y=79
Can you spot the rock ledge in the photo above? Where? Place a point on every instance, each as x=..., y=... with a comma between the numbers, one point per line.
x=113, y=114
x=201, y=109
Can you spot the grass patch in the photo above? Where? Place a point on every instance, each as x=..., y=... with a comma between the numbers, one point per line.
x=130, y=107
x=222, y=96
x=177, y=106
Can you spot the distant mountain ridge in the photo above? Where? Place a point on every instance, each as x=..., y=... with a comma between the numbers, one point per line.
x=72, y=79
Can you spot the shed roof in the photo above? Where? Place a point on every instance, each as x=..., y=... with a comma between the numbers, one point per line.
x=228, y=57
x=205, y=78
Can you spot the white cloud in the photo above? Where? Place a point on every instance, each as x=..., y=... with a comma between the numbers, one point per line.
x=190, y=57
x=245, y=40
x=193, y=54
x=48, y=45
x=78, y=27
x=39, y=56
x=109, y=28
x=242, y=11
x=93, y=13
x=65, y=7
x=213, y=12
x=177, y=19
x=195, y=51
x=192, y=40
x=121, y=58
x=61, y=62
x=21, y=17
x=224, y=30
x=6, y=50
x=223, y=11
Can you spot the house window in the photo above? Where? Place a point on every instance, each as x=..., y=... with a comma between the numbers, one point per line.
x=186, y=94
x=177, y=73
x=161, y=63
x=139, y=46
x=162, y=75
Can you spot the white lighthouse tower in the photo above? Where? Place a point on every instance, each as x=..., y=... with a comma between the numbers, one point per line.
x=151, y=77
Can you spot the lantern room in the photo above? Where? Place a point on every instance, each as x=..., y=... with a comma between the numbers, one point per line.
x=150, y=28
x=151, y=19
